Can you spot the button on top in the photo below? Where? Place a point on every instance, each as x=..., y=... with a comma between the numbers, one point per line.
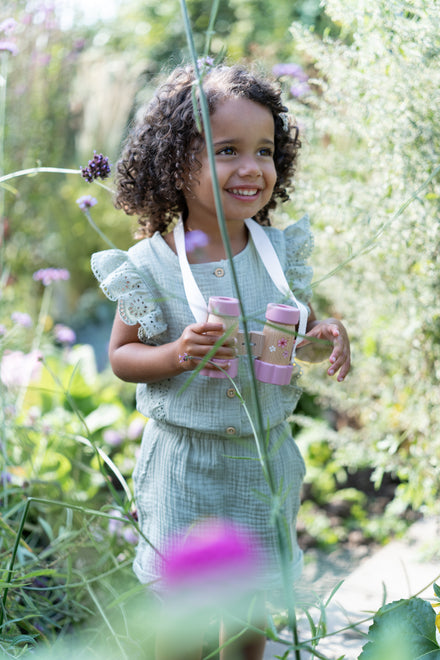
x=219, y=272
x=230, y=393
x=231, y=430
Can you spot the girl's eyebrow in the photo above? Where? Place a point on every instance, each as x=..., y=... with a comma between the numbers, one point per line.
x=227, y=141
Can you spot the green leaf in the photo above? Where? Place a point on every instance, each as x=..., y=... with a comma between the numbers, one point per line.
x=437, y=590
x=403, y=630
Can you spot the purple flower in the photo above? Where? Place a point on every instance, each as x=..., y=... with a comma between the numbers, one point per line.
x=205, y=62
x=10, y=46
x=300, y=89
x=48, y=275
x=22, y=318
x=290, y=69
x=8, y=26
x=215, y=551
x=98, y=168
x=130, y=535
x=136, y=428
x=3, y=330
x=115, y=526
x=64, y=334
x=18, y=368
x=196, y=240
x=86, y=202
x=113, y=438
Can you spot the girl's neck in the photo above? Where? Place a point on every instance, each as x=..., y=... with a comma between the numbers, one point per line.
x=214, y=250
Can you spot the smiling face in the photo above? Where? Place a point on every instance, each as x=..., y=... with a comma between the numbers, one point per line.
x=243, y=139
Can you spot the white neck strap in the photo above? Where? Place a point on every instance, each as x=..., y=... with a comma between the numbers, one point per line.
x=270, y=261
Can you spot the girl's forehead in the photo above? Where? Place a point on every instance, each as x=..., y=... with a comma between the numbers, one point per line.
x=240, y=111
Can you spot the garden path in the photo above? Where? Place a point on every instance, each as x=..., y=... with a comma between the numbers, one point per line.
x=402, y=568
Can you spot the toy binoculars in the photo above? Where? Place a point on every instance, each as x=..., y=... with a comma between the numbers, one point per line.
x=272, y=348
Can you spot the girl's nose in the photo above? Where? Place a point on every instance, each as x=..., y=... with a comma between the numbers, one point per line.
x=249, y=167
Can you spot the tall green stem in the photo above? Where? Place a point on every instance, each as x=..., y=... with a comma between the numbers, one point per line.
x=283, y=543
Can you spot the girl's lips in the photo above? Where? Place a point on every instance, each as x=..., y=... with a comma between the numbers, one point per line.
x=244, y=192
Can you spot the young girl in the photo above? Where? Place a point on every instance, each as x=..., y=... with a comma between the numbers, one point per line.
x=189, y=468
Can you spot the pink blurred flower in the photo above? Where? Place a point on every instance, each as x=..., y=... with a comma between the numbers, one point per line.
x=64, y=334
x=11, y=46
x=22, y=318
x=291, y=69
x=113, y=438
x=17, y=369
x=48, y=275
x=136, y=428
x=300, y=89
x=8, y=26
x=213, y=552
x=130, y=535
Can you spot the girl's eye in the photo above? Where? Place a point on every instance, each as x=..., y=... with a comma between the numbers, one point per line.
x=266, y=151
x=226, y=151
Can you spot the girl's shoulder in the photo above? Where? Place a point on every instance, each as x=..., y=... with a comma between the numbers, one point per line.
x=296, y=240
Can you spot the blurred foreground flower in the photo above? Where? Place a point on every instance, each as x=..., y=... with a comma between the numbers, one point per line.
x=48, y=275
x=98, y=168
x=213, y=553
x=196, y=240
x=211, y=570
x=18, y=368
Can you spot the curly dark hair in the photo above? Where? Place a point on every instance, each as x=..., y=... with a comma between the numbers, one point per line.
x=163, y=146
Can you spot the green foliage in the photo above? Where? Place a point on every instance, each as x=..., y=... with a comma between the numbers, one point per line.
x=371, y=139
x=403, y=630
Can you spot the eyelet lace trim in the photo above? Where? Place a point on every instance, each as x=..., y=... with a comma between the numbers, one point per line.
x=121, y=281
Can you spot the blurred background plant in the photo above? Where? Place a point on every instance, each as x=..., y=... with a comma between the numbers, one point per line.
x=363, y=84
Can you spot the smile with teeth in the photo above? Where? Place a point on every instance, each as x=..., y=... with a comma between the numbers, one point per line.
x=245, y=192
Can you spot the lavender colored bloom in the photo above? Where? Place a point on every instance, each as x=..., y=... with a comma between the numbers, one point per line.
x=113, y=438
x=196, y=240
x=98, y=168
x=86, y=202
x=3, y=330
x=290, y=69
x=64, y=334
x=8, y=26
x=300, y=89
x=18, y=368
x=205, y=62
x=129, y=534
x=10, y=46
x=115, y=526
x=48, y=275
x=136, y=428
x=22, y=318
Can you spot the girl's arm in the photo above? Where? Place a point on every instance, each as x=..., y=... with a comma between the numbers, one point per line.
x=331, y=330
x=135, y=362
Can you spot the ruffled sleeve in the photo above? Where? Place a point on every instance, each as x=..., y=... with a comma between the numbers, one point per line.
x=299, y=246
x=122, y=281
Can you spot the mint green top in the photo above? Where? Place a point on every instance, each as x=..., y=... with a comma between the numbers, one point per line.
x=147, y=282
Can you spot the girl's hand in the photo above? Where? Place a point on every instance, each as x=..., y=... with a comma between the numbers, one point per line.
x=333, y=331
x=197, y=340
